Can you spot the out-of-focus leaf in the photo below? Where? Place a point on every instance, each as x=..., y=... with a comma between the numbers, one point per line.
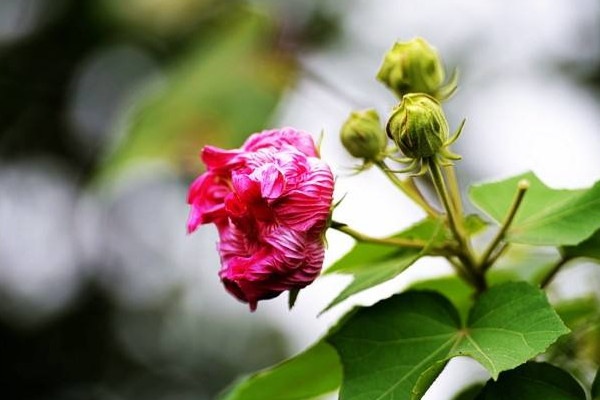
x=533, y=381
x=546, y=216
x=589, y=248
x=579, y=352
x=223, y=89
x=309, y=375
x=400, y=344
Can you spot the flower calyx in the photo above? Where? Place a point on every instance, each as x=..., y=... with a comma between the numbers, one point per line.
x=419, y=128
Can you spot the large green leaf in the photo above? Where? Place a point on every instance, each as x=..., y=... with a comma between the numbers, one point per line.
x=547, y=216
x=533, y=381
x=372, y=264
x=309, y=375
x=589, y=248
x=385, y=349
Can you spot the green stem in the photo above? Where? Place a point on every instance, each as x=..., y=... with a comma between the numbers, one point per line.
x=409, y=188
x=454, y=189
x=522, y=188
x=552, y=273
x=465, y=256
x=462, y=272
x=494, y=257
x=400, y=242
x=440, y=187
x=446, y=249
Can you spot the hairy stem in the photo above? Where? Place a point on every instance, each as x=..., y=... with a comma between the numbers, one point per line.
x=447, y=249
x=465, y=256
x=409, y=188
x=440, y=187
x=399, y=242
x=522, y=188
x=454, y=189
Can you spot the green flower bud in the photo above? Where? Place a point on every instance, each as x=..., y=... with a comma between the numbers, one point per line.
x=412, y=67
x=418, y=126
x=363, y=136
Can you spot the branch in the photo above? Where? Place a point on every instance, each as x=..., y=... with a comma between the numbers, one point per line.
x=360, y=237
x=522, y=188
x=557, y=267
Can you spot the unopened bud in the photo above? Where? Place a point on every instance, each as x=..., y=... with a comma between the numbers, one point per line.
x=363, y=136
x=418, y=126
x=412, y=67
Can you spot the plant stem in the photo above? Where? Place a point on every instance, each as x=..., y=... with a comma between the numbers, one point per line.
x=454, y=189
x=462, y=271
x=409, y=188
x=522, y=188
x=440, y=187
x=400, y=242
x=494, y=257
x=465, y=256
x=557, y=267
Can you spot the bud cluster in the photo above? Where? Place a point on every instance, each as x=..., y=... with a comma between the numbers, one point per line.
x=414, y=71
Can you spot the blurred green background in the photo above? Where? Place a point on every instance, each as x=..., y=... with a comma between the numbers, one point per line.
x=105, y=104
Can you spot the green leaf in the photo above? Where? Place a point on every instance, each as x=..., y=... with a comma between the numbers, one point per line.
x=579, y=352
x=589, y=248
x=385, y=349
x=533, y=381
x=372, y=264
x=508, y=325
x=426, y=379
x=547, y=216
x=579, y=312
x=309, y=375
x=222, y=89
x=596, y=387
x=473, y=225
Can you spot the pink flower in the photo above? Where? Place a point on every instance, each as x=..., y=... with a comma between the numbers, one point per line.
x=270, y=201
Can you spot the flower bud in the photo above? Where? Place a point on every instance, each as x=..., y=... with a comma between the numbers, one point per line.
x=363, y=136
x=412, y=67
x=418, y=126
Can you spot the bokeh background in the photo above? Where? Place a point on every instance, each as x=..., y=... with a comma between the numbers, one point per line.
x=104, y=105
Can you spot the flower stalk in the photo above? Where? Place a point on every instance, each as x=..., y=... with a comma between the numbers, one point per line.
x=409, y=188
x=361, y=237
x=486, y=261
x=465, y=254
x=552, y=273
